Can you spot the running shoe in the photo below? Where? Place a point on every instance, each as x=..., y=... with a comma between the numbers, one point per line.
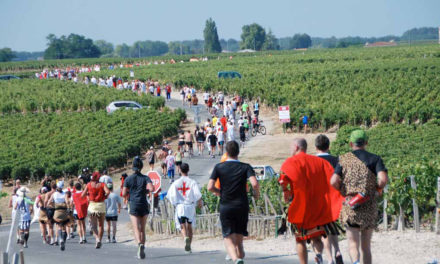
x=85, y=241
x=228, y=258
x=113, y=240
x=187, y=244
x=141, y=251
x=81, y=242
x=63, y=246
x=72, y=235
x=239, y=261
x=98, y=245
x=25, y=245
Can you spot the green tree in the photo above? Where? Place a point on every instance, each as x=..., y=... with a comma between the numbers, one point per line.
x=300, y=41
x=271, y=42
x=104, y=47
x=252, y=37
x=212, y=44
x=6, y=54
x=72, y=46
x=148, y=48
x=122, y=50
x=178, y=48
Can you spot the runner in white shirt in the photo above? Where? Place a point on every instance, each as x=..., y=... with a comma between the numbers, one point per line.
x=185, y=195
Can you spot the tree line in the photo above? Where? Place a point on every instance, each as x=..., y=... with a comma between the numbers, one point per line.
x=253, y=37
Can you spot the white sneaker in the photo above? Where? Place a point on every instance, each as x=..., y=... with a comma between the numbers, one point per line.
x=228, y=258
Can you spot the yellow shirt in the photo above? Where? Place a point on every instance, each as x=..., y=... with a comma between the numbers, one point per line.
x=214, y=121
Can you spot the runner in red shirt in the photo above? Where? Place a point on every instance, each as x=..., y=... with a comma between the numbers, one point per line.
x=80, y=213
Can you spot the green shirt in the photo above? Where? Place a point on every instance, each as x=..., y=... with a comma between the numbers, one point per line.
x=244, y=107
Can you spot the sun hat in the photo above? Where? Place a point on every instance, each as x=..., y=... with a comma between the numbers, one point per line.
x=60, y=184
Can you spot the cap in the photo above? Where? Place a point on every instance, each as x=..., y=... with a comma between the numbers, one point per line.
x=151, y=147
x=358, y=136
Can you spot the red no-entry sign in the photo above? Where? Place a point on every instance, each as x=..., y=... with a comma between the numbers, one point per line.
x=156, y=179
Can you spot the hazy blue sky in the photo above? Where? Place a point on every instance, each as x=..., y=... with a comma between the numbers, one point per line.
x=26, y=23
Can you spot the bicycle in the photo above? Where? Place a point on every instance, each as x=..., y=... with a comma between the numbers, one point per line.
x=260, y=128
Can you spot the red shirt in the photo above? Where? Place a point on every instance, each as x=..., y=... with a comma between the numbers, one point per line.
x=96, y=194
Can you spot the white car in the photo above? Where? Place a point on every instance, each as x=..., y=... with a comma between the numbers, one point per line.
x=265, y=172
x=113, y=106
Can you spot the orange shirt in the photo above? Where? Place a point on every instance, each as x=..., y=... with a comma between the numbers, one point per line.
x=315, y=201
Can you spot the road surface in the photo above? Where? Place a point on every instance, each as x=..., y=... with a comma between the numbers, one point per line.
x=125, y=251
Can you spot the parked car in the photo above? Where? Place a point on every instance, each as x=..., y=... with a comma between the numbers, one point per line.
x=265, y=172
x=9, y=77
x=113, y=106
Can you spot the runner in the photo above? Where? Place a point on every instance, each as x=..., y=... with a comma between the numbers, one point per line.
x=23, y=206
x=234, y=204
x=162, y=156
x=97, y=192
x=206, y=98
x=242, y=132
x=212, y=140
x=185, y=194
x=43, y=216
x=151, y=158
x=257, y=108
x=139, y=186
x=61, y=218
x=80, y=213
x=322, y=144
x=178, y=159
x=50, y=210
x=113, y=208
x=221, y=141
x=125, y=201
x=201, y=138
x=181, y=142
x=170, y=161
x=360, y=176
x=189, y=142
x=304, y=178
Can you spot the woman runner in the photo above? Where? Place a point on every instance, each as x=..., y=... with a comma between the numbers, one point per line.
x=80, y=213
x=61, y=218
x=97, y=193
x=43, y=215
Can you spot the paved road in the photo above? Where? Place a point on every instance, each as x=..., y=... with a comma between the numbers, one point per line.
x=124, y=251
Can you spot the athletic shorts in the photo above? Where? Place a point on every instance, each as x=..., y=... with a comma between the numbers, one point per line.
x=206, y=101
x=24, y=225
x=190, y=144
x=163, y=165
x=221, y=143
x=138, y=209
x=50, y=212
x=183, y=220
x=234, y=220
x=75, y=216
x=200, y=141
x=171, y=173
x=181, y=143
x=178, y=163
x=111, y=218
x=243, y=138
x=220, y=102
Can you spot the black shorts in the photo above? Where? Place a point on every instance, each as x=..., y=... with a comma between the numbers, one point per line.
x=190, y=144
x=183, y=220
x=181, y=143
x=206, y=101
x=139, y=209
x=220, y=102
x=242, y=137
x=111, y=218
x=178, y=163
x=50, y=213
x=234, y=220
x=75, y=216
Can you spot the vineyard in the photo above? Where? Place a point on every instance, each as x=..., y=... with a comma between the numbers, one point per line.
x=60, y=144
x=333, y=87
x=53, y=95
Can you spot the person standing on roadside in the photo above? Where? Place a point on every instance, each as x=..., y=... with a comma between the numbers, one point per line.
x=305, y=122
x=304, y=180
x=185, y=195
x=151, y=158
x=138, y=185
x=168, y=89
x=322, y=144
x=360, y=176
x=234, y=205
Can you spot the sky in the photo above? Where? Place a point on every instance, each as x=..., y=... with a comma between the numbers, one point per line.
x=26, y=23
